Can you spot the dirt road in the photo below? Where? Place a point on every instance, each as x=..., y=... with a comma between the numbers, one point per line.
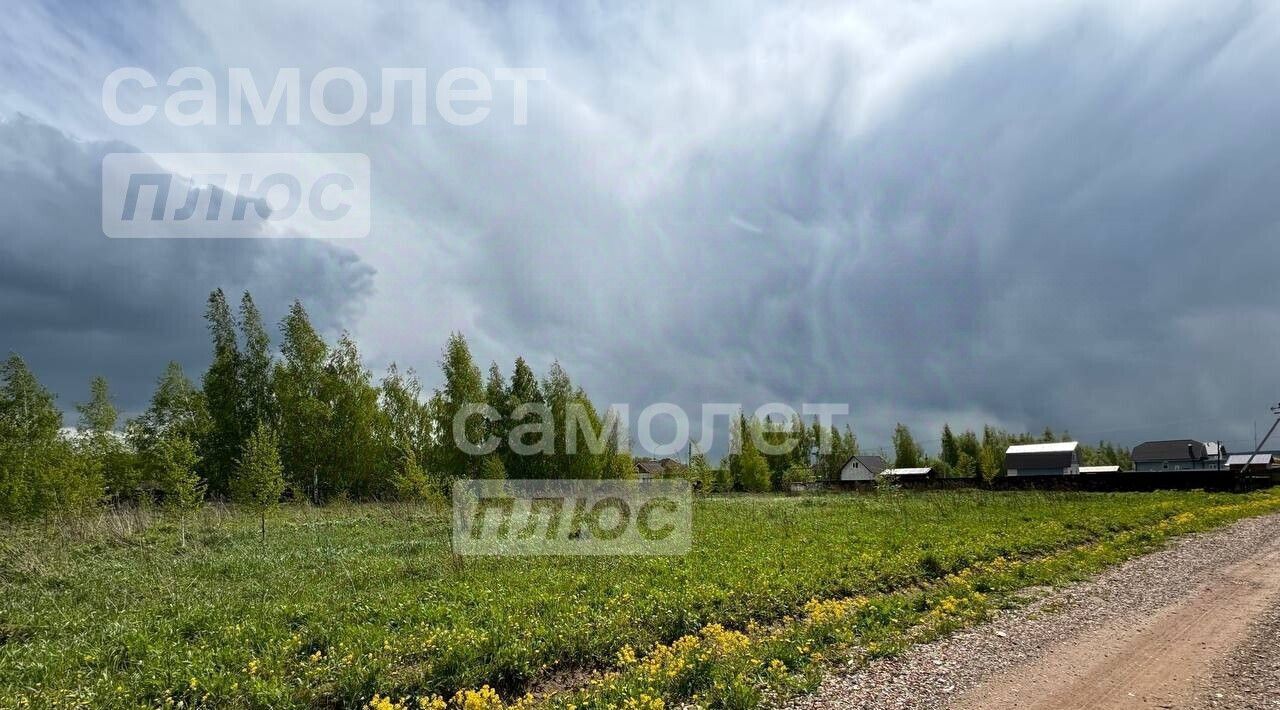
x=1193, y=626
x=1161, y=661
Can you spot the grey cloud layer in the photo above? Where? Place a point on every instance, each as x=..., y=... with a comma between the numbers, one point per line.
x=966, y=212
x=76, y=304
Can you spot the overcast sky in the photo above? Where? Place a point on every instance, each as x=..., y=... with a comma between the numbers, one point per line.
x=933, y=211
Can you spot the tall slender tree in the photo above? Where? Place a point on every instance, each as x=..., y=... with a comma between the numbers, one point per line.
x=299, y=384
x=950, y=447
x=463, y=387
x=355, y=463
x=407, y=424
x=618, y=463
x=586, y=459
x=222, y=395
x=906, y=452
x=29, y=424
x=99, y=444
x=257, y=402
x=497, y=395
x=754, y=473
x=525, y=390
x=174, y=461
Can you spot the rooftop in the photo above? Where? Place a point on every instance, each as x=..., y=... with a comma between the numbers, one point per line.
x=1050, y=447
x=1239, y=459
x=906, y=471
x=1099, y=469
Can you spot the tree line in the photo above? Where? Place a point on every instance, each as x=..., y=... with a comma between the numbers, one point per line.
x=307, y=420
x=966, y=455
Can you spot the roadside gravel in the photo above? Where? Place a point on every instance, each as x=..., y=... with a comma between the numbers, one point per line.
x=934, y=675
x=1249, y=679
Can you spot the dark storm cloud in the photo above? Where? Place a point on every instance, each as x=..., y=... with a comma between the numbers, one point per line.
x=1030, y=214
x=1075, y=229
x=76, y=304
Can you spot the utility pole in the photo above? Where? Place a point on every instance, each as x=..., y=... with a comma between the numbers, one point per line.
x=1258, y=447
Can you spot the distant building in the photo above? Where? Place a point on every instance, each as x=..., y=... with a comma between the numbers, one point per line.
x=913, y=474
x=1177, y=455
x=1086, y=470
x=648, y=469
x=671, y=466
x=1057, y=458
x=862, y=468
x=1256, y=464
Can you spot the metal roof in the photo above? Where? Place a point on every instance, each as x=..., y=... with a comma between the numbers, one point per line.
x=906, y=471
x=1051, y=447
x=1239, y=459
x=872, y=462
x=1171, y=450
x=1099, y=469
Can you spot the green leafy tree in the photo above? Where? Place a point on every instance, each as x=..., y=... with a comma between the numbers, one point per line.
x=780, y=443
x=491, y=467
x=587, y=459
x=805, y=451
x=256, y=399
x=701, y=475
x=733, y=459
x=966, y=466
x=463, y=387
x=406, y=428
x=299, y=382
x=177, y=409
x=907, y=453
x=354, y=462
x=950, y=446
x=410, y=482
x=100, y=446
x=754, y=472
x=525, y=391
x=259, y=479
x=756, y=477
x=174, y=459
x=39, y=473
x=991, y=456
x=618, y=462
x=558, y=390
x=967, y=443
x=797, y=473
x=497, y=395
x=222, y=396
x=98, y=416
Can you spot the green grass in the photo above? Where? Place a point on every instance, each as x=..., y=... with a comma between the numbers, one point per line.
x=345, y=602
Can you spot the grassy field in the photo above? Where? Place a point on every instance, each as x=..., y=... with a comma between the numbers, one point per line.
x=346, y=602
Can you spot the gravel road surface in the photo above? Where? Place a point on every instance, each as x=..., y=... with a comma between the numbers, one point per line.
x=1196, y=625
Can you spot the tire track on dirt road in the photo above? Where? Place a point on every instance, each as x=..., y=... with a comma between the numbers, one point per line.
x=1157, y=662
x=1192, y=625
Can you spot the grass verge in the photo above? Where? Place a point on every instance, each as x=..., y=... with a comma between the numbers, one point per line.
x=347, y=602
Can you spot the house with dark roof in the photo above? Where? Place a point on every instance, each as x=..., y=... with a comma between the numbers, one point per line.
x=1178, y=455
x=1055, y=458
x=648, y=469
x=671, y=466
x=862, y=468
